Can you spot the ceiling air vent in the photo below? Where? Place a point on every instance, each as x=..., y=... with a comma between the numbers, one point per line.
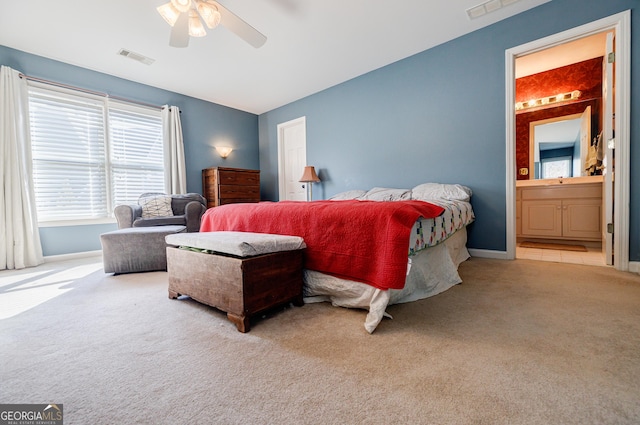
x=136, y=56
x=488, y=7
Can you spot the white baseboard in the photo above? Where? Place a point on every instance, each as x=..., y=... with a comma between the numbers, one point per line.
x=634, y=266
x=72, y=256
x=487, y=253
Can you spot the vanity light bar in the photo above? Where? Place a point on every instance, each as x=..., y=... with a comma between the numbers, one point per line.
x=562, y=97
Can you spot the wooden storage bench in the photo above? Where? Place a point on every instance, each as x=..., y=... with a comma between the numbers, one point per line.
x=239, y=273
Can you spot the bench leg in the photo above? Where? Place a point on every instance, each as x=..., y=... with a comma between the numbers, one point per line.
x=241, y=322
x=298, y=301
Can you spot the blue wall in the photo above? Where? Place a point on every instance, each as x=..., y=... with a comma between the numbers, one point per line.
x=438, y=116
x=204, y=125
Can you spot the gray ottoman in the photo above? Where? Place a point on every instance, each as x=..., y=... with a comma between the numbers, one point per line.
x=136, y=249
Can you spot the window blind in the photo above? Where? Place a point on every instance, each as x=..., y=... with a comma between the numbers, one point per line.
x=89, y=156
x=136, y=155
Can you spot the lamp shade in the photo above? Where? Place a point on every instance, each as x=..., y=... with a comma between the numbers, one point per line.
x=196, y=29
x=209, y=13
x=169, y=12
x=309, y=175
x=182, y=5
x=224, y=151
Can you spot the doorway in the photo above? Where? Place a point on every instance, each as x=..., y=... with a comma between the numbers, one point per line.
x=292, y=158
x=620, y=25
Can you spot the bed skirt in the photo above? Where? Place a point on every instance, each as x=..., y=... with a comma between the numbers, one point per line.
x=430, y=272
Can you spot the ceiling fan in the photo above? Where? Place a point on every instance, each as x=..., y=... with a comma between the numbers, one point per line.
x=185, y=16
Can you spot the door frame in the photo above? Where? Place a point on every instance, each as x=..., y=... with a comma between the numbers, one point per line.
x=282, y=190
x=621, y=24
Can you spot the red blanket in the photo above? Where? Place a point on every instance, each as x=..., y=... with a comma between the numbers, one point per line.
x=366, y=241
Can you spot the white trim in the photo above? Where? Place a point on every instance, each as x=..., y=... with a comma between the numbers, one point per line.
x=510, y=189
x=621, y=23
x=622, y=132
x=72, y=256
x=282, y=189
x=79, y=222
x=634, y=267
x=487, y=253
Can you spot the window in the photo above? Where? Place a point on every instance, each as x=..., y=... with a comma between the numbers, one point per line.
x=556, y=167
x=91, y=153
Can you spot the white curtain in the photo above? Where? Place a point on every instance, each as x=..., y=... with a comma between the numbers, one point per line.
x=19, y=238
x=174, y=164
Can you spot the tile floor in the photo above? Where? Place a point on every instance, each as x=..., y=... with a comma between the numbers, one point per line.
x=593, y=257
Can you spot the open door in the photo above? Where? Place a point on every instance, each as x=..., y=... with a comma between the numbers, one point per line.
x=608, y=138
x=585, y=136
x=292, y=158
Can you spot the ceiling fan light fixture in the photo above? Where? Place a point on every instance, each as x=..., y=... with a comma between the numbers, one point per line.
x=209, y=13
x=169, y=13
x=181, y=5
x=196, y=29
x=186, y=19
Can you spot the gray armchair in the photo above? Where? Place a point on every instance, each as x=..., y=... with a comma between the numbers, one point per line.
x=187, y=211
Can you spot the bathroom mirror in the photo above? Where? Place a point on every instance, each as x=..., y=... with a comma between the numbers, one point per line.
x=558, y=146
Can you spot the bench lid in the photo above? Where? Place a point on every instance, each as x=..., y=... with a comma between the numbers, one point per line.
x=241, y=244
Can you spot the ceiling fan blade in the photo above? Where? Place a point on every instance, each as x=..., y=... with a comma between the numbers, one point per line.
x=180, y=31
x=239, y=27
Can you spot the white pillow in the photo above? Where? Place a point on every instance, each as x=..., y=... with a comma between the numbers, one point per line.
x=387, y=194
x=156, y=206
x=430, y=191
x=348, y=195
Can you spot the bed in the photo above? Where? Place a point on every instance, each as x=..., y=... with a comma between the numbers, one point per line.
x=367, y=249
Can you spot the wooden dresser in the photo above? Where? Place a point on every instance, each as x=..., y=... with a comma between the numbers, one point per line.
x=222, y=185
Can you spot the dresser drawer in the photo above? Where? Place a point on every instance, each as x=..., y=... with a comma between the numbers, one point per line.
x=228, y=177
x=226, y=201
x=228, y=191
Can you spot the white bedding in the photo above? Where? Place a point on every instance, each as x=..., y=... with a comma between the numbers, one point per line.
x=437, y=246
x=431, y=271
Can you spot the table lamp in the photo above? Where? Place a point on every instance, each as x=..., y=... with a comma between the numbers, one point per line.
x=309, y=176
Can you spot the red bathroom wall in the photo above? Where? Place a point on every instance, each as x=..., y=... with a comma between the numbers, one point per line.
x=585, y=76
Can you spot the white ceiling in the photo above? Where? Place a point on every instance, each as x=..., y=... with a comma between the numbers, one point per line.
x=575, y=51
x=559, y=134
x=311, y=45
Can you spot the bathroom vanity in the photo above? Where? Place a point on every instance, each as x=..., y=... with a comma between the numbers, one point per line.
x=564, y=209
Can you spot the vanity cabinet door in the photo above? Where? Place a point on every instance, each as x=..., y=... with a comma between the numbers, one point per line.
x=582, y=218
x=542, y=218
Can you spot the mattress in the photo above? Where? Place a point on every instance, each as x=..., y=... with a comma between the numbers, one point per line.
x=432, y=231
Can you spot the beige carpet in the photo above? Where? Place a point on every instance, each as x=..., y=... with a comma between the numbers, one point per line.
x=557, y=246
x=519, y=342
